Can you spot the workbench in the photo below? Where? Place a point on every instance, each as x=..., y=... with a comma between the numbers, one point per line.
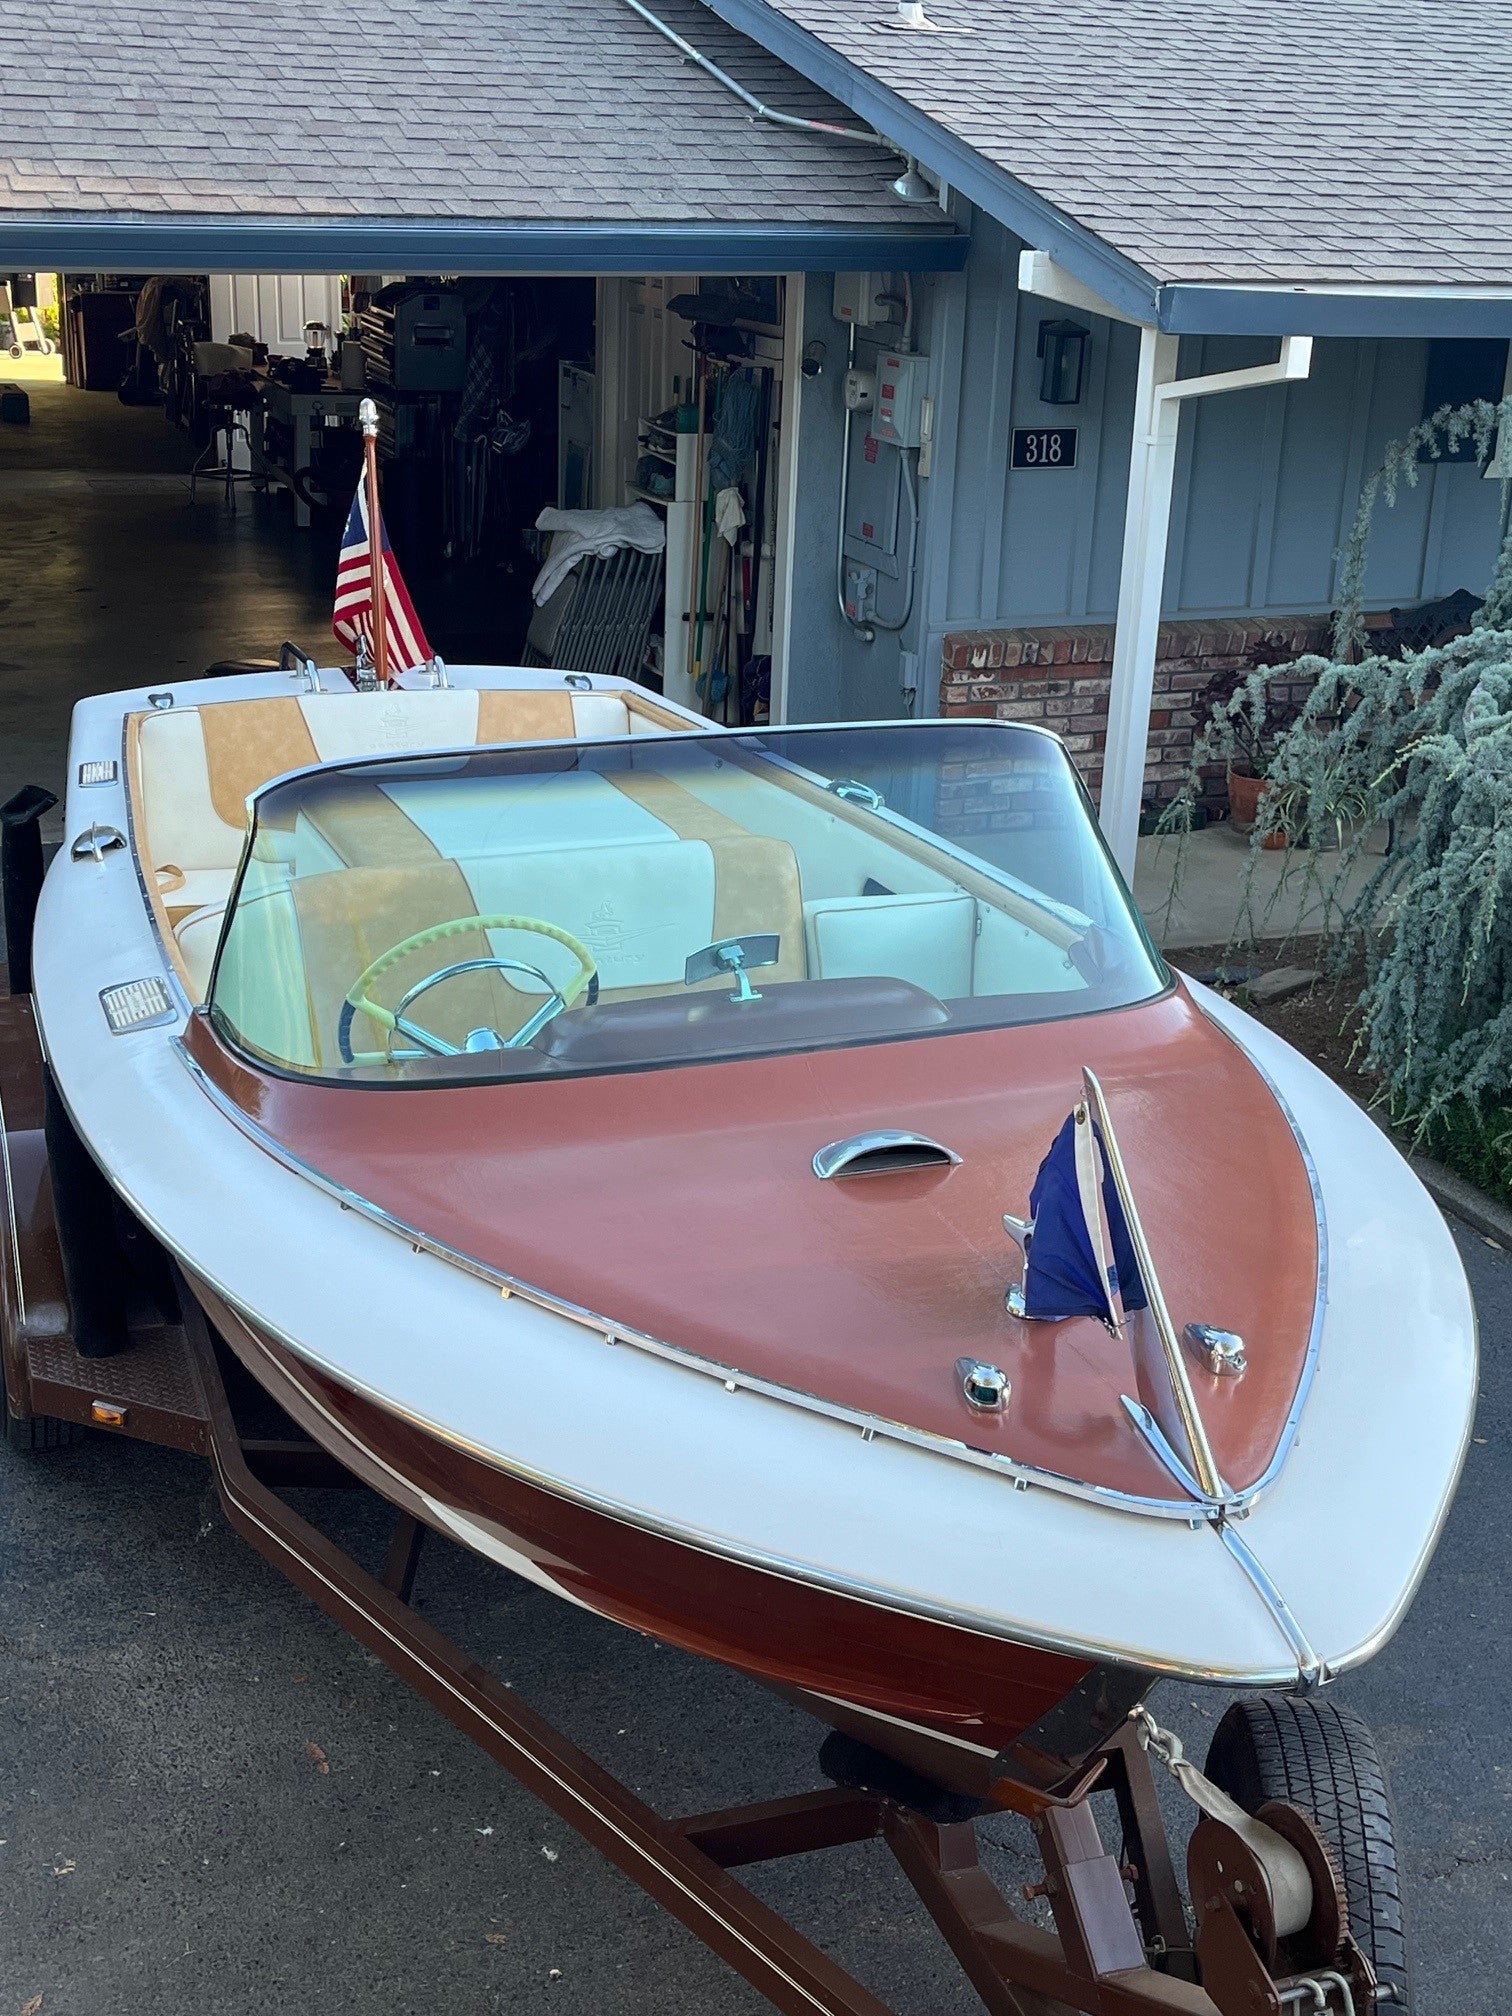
x=303, y=411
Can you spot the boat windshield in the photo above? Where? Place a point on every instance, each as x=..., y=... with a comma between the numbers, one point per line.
x=608, y=906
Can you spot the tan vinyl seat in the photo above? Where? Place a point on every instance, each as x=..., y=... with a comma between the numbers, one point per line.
x=641, y=908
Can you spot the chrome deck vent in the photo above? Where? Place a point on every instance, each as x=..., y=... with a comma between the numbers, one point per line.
x=104, y=772
x=137, y=1004
x=1219, y=1351
x=881, y=1153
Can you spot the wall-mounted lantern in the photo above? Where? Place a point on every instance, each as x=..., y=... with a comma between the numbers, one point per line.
x=1063, y=353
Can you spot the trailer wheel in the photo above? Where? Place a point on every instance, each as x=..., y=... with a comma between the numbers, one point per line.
x=40, y=1432
x=1323, y=1759
x=37, y=1432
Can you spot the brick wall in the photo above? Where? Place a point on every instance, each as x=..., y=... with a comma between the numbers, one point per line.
x=1060, y=677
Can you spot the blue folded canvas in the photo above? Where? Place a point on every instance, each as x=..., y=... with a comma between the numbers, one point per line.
x=1063, y=1277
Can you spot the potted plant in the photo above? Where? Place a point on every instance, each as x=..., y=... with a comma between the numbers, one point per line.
x=1251, y=721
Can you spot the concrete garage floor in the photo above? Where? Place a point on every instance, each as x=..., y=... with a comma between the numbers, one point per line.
x=168, y=1843
x=110, y=578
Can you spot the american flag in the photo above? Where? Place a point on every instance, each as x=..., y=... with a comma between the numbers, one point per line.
x=352, y=620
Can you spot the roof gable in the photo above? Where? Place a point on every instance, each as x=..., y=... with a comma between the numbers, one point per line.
x=1204, y=142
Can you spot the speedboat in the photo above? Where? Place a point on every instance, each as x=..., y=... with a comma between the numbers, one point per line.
x=762, y=1185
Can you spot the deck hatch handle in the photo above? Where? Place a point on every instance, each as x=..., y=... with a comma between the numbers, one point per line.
x=882, y=1152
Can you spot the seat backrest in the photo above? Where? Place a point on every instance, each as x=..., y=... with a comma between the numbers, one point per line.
x=199, y=765
x=641, y=909
x=927, y=939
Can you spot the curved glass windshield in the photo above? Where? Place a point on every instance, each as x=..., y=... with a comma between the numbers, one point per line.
x=608, y=906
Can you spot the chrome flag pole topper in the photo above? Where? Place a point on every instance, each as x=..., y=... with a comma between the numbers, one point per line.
x=367, y=417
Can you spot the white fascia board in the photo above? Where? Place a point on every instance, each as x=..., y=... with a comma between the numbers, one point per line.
x=1040, y=274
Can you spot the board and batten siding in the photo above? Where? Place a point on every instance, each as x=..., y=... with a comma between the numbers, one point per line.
x=1267, y=482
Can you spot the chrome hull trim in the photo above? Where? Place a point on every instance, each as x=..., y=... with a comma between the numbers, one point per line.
x=1310, y=1671
x=1022, y=1476
x=1243, y=1500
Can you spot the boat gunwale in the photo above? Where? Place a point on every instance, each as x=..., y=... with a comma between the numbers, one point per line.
x=1190, y=1509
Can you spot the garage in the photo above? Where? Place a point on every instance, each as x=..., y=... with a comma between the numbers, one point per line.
x=568, y=286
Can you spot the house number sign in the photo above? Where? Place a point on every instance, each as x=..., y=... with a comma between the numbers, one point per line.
x=1044, y=448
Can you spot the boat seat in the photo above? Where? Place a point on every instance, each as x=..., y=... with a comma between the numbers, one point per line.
x=928, y=939
x=196, y=767
x=641, y=908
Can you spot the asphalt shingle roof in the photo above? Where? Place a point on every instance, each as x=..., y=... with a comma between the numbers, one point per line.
x=570, y=110
x=1303, y=141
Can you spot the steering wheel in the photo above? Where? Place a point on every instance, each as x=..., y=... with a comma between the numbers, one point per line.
x=585, y=981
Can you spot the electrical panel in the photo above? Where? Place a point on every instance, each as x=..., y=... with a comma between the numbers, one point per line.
x=856, y=298
x=902, y=381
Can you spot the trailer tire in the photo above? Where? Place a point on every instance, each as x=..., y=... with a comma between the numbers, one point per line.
x=1323, y=1758
x=40, y=1432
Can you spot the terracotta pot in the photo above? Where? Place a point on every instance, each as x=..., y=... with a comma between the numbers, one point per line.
x=1244, y=795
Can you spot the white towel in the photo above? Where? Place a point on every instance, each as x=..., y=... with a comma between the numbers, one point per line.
x=575, y=533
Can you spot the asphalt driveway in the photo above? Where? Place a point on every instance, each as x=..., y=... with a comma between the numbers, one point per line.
x=213, y=1801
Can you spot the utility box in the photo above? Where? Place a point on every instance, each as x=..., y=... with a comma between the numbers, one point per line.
x=902, y=383
x=856, y=298
x=860, y=591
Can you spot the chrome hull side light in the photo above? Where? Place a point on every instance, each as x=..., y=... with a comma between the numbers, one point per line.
x=985, y=1386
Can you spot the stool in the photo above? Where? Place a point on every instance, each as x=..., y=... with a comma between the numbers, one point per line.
x=224, y=403
x=229, y=422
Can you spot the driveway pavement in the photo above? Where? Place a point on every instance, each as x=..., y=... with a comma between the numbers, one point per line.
x=170, y=1843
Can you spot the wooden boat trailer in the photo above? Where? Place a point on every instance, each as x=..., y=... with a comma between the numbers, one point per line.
x=1121, y=1944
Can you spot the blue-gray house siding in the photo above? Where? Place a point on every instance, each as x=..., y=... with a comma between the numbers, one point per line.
x=1267, y=484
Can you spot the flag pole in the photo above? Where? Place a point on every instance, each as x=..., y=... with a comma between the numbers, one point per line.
x=367, y=415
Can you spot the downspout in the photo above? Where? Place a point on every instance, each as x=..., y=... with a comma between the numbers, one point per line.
x=748, y=98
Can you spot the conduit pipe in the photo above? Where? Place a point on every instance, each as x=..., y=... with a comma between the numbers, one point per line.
x=748, y=98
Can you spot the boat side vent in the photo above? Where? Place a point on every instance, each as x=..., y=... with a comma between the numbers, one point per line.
x=881, y=1153
x=137, y=1004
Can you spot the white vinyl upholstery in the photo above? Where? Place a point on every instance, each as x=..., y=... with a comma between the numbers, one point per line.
x=183, y=824
x=262, y=981
x=193, y=851
x=344, y=725
x=492, y=815
x=928, y=940
x=639, y=908
x=601, y=715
